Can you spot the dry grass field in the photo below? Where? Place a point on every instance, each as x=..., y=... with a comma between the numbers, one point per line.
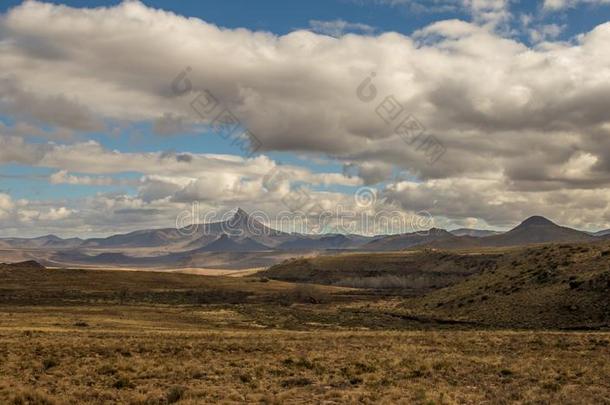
x=157, y=355
x=76, y=336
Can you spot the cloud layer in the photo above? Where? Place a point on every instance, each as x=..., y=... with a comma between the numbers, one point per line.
x=525, y=128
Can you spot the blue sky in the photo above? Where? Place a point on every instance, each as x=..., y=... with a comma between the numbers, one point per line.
x=281, y=17
x=532, y=24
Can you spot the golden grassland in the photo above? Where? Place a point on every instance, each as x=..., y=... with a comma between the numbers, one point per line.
x=76, y=336
x=163, y=354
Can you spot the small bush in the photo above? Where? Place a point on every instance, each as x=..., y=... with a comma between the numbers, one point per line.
x=49, y=363
x=356, y=381
x=574, y=284
x=308, y=294
x=122, y=382
x=175, y=394
x=123, y=295
x=506, y=372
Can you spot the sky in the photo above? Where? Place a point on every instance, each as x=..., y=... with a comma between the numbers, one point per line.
x=117, y=116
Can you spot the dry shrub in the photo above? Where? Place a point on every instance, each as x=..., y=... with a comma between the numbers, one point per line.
x=175, y=394
x=308, y=294
x=386, y=282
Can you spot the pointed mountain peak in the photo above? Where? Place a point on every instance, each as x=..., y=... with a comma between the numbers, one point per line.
x=536, y=220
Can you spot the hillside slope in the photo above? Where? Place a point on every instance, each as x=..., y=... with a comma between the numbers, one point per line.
x=537, y=229
x=29, y=283
x=552, y=286
x=225, y=243
x=410, y=240
x=413, y=272
x=477, y=233
x=534, y=230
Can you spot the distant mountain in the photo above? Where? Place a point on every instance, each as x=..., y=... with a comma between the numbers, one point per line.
x=240, y=225
x=226, y=243
x=242, y=233
x=118, y=259
x=142, y=238
x=537, y=229
x=408, y=240
x=200, y=241
x=47, y=241
x=64, y=243
x=477, y=233
x=605, y=232
x=337, y=241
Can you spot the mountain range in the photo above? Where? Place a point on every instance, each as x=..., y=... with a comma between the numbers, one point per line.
x=242, y=234
x=479, y=233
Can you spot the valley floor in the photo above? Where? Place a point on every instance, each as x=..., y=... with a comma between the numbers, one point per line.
x=209, y=354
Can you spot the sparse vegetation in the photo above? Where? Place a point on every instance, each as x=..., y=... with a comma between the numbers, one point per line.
x=186, y=364
x=538, y=293
x=73, y=336
x=307, y=294
x=409, y=272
